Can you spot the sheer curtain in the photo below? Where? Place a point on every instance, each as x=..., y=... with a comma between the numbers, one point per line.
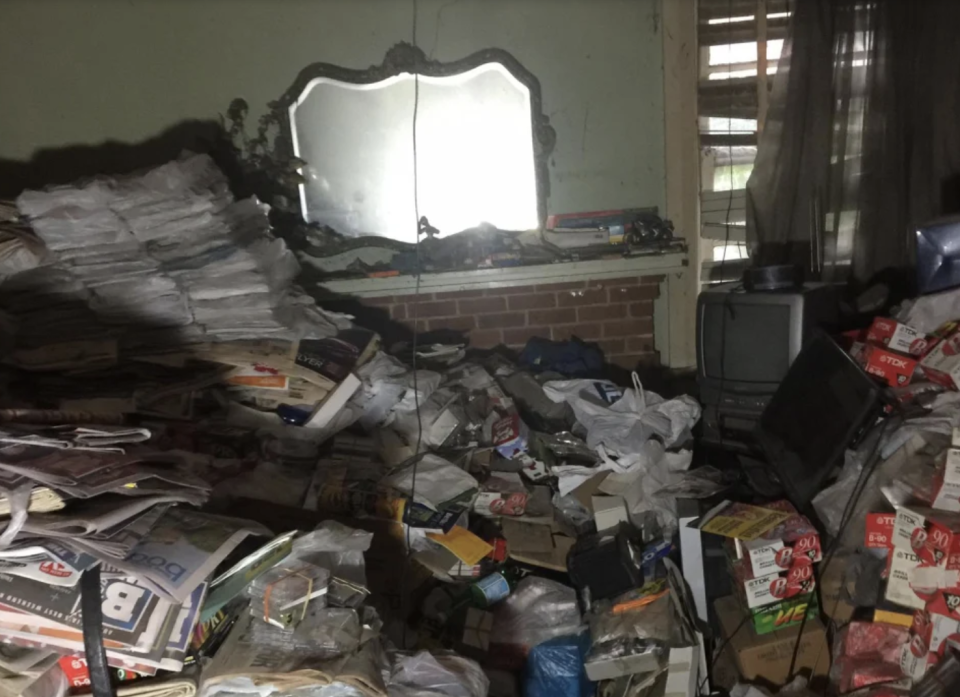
x=862, y=138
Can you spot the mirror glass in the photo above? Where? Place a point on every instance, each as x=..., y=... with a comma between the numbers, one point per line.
x=475, y=153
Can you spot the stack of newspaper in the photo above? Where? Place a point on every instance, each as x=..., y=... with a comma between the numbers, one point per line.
x=167, y=250
x=80, y=497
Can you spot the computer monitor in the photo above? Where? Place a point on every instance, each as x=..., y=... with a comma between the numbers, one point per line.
x=746, y=343
x=822, y=406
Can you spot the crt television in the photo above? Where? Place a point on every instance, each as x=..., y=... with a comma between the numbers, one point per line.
x=746, y=342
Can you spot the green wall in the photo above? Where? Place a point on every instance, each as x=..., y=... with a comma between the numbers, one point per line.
x=81, y=72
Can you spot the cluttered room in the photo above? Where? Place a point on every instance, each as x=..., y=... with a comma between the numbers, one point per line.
x=479, y=348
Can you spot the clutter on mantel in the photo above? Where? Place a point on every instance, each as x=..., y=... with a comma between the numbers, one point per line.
x=211, y=485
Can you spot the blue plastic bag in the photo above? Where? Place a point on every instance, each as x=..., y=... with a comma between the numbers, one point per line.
x=555, y=668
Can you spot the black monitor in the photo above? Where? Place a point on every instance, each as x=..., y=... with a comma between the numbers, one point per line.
x=823, y=404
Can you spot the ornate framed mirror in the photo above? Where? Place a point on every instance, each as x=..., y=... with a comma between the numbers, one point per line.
x=481, y=146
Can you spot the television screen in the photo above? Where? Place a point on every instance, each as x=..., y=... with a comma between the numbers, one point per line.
x=753, y=341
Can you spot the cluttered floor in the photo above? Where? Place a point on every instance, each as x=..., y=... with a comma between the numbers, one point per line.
x=211, y=485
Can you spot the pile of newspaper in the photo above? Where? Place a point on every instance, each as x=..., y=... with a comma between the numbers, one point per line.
x=159, y=292
x=169, y=251
x=75, y=499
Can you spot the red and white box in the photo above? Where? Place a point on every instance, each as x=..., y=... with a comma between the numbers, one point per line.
x=794, y=542
x=933, y=535
x=897, y=337
x=893, y=368
x=901, y=566
x=879, y=530
x=868, y=653
x=929, y=635
x=772, y=588
x=878, y=535
x=942, y=363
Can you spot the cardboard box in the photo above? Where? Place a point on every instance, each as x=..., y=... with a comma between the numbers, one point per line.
x=897, y=336
x=893, y=368
x=767, y=658
x=942, y=363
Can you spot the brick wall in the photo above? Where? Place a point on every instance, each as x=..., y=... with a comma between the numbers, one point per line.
x=616, y=313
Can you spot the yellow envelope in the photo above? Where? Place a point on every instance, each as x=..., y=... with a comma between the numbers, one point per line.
x=464, y=545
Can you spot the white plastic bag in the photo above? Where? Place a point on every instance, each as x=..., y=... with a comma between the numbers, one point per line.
x=624, y=425
x=441, y=674
x=437, y=481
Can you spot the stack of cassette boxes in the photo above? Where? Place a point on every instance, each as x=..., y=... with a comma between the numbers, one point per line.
x=924, y=568
x=773, y=574
x=890, y=350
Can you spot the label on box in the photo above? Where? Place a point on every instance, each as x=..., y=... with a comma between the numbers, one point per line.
x=913, y=665
x=879, y=530
x=770, y=556
x=510, y=435
x=785, y=613
x=945, y=603
x=894, y=369
x=902, y=563
x=930, y=534
x=531, y=468
x=493, y=503
x=775, y=587
x=897, y=336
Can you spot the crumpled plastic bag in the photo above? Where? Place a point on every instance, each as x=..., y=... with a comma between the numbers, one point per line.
x=927, y=312
x=555, y=668
x=624, y=425
x=388, y=387
x=437, y=481
x=537, y=611
x=447, y=674
x=650, y=480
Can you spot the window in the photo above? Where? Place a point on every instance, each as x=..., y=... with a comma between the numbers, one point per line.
x=734, y=84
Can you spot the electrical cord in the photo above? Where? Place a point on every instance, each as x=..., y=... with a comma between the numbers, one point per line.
x=869, y=467
x=404, y=580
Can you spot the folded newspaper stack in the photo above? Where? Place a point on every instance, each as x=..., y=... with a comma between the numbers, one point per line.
x=169, y=250
x=116, y=507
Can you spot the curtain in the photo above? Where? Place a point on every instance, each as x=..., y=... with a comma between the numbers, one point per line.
x=862, y=137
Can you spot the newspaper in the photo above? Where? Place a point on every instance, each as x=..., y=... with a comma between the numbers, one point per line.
x=96, y=438
x=100, y=514
x=133, y=617
x=51, y=563
x=42, y=500
x=84, y=474
x=183, y=548
x=184, y=622
x=120, y=541
x=289, y=670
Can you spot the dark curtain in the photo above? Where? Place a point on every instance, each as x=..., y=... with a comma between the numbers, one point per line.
x=862, y=137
